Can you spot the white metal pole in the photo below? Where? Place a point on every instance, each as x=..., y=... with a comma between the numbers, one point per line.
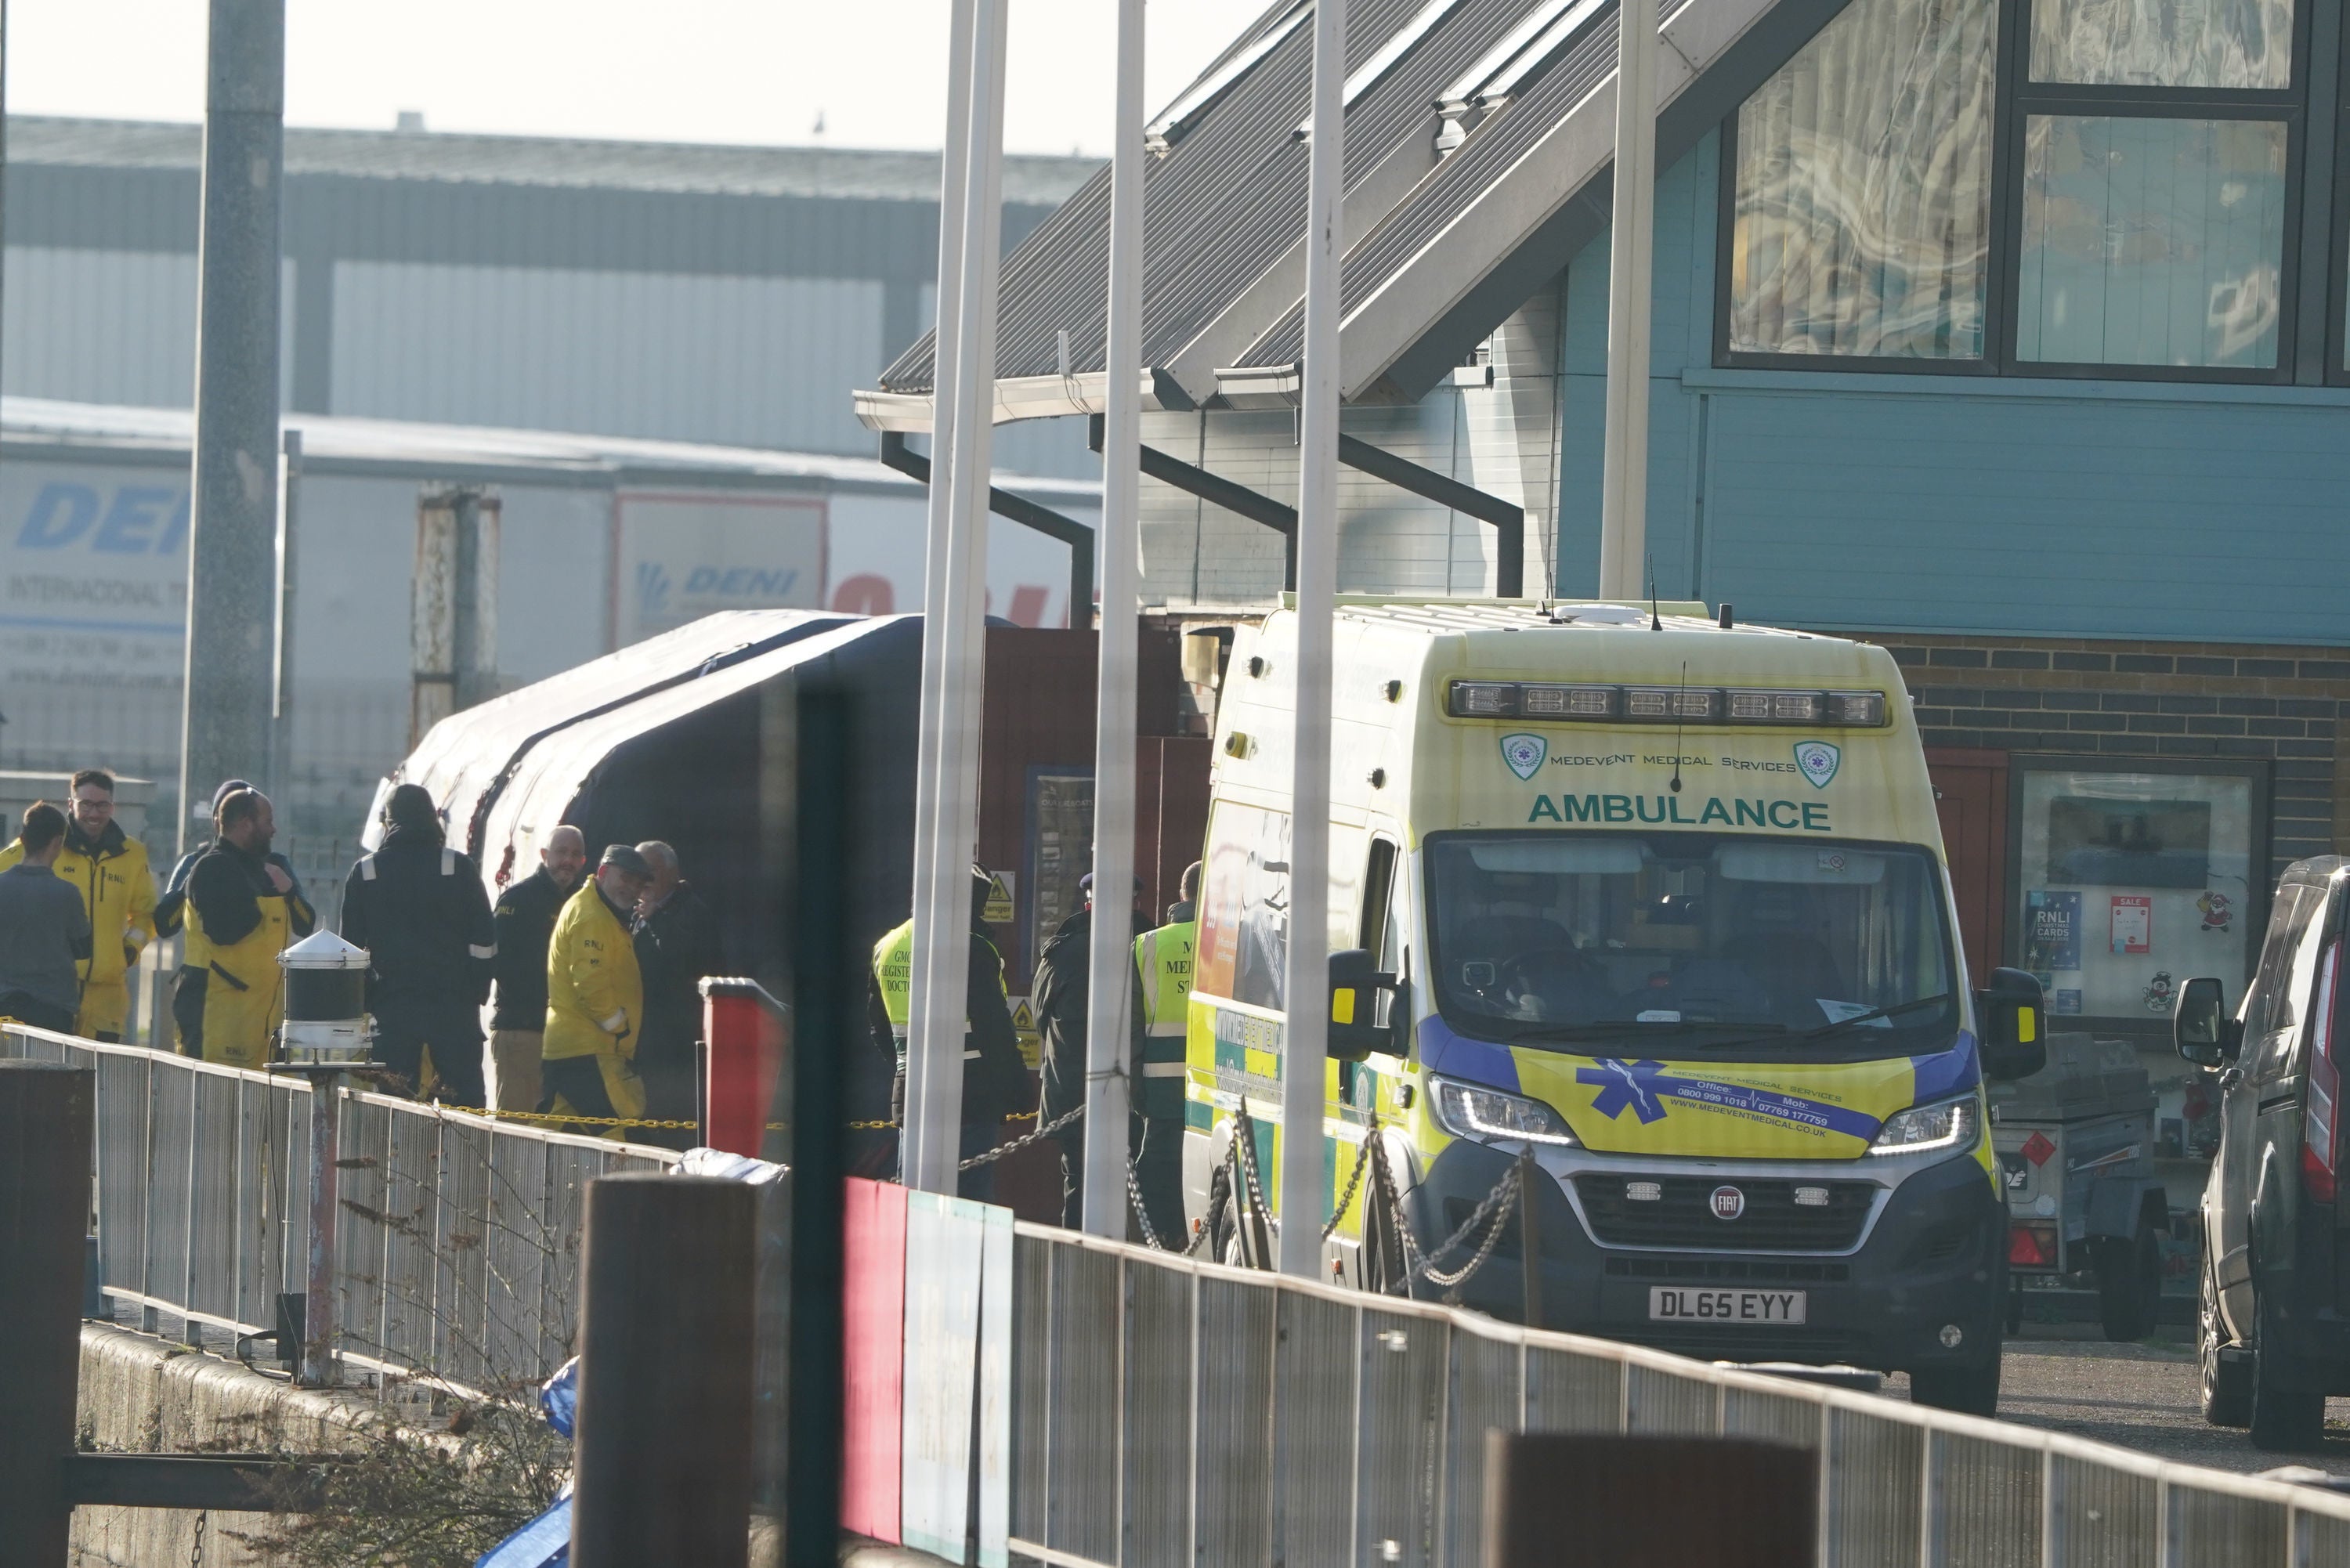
x=938, y=1030
x=931, y=769
x=1624, y=473
x=1108, y=1093
x=1305, y=986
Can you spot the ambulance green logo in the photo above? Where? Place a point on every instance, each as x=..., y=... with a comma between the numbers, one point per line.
x=1819, y=760
x=1525, y=753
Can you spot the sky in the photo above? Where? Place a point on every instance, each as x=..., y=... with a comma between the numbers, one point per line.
x=868, y=73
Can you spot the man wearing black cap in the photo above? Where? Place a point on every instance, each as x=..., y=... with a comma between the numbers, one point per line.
x=171, y=919
x=419, y=910
x=596, y=997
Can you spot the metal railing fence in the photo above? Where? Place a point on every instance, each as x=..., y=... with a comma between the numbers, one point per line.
x=456, y=1244
x=1167, y=1412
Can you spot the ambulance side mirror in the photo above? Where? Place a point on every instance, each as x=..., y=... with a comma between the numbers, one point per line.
x=2010, y=1011
x=1355, y=987
x=2200, y=1024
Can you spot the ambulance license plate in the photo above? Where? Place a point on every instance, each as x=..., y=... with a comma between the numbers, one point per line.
x=1673, y=1303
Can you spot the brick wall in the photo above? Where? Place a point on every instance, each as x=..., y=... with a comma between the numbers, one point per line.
x=2178, y=700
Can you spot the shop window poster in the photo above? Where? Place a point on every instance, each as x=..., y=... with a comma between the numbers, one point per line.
x=2053, y=917
x=2133, y=924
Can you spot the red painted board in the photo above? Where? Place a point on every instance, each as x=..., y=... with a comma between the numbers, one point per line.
x=873, y=1301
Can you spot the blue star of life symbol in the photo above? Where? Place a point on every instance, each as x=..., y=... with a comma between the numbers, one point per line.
x=1626, y=1084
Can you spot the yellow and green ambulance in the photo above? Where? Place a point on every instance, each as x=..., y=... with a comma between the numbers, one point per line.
x=1663, y=901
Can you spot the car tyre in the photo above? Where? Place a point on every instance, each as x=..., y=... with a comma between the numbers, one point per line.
x=2129, y=1285
x=2288, y=1413
x=1968, y=1387
x=2227, y=1386
x=1222, y=1231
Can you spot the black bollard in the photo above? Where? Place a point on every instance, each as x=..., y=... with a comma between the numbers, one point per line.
x=46, y=1125
x=1556, y=1499
x=665, y=1339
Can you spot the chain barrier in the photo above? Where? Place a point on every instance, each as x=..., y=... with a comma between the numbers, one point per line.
x=1024, y=1140
x=196, y=1554
x=1362, y=1158
x=1418, y=1264
x=1142, y=1213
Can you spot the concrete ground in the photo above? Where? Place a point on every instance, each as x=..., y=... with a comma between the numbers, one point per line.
x=2144, y=1396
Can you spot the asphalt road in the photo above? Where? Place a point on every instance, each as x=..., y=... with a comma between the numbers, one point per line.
x=2140, y=1395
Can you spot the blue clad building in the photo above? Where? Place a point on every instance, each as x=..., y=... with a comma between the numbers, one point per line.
x=2007, y=333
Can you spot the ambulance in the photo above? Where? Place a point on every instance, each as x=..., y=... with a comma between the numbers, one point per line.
x=1660, y=900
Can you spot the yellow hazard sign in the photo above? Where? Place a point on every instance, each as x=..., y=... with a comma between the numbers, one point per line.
x=1024, y=1023
x=999, y=910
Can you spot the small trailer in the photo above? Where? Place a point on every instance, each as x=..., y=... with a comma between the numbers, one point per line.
x=2075, y=1149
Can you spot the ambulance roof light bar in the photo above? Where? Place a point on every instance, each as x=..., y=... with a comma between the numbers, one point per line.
x=1592, y=704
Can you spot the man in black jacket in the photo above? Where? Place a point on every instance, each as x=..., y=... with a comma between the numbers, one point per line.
x=419, y=909
x=1060, y=992
x=525, y=919
x=676, y=935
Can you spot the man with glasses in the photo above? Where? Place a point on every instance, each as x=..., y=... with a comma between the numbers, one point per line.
x=109, y=869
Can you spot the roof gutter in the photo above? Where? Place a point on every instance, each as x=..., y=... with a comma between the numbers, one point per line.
x=1023, y=398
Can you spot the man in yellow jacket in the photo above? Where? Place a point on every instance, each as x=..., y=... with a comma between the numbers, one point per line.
x=596, y=997
x=109, y=869
x=243, y=911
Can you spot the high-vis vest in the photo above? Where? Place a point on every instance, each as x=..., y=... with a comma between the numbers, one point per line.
x=893, y=970
x=1162, y=961
x=244, y=998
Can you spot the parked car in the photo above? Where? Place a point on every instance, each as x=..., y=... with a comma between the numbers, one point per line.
x=2272, y=1332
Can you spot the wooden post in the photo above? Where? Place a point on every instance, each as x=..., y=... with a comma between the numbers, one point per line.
x=1603, y=1501
x=47, y=1118
x=664, y=1425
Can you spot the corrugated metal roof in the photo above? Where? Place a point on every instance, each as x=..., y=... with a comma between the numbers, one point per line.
x=1226, y=202
x=848, y=173
x=1499, y=140
x=1224, y=211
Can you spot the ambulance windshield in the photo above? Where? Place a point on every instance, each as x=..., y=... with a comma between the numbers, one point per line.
x=1773, y=948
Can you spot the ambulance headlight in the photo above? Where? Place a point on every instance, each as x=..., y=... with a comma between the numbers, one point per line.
x=1489, y=1116
x=1484, y=699
x=1949, y=1125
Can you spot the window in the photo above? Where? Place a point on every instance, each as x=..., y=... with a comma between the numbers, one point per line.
x=1608, y=943
x=2108, y=194
x=2151, y=242
x=1863, y=188
x=2132, y=878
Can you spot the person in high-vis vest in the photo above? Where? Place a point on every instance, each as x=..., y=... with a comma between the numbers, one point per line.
x=596, y=999
x=243, y=911
x=995, y=1079
x=1162, y=1005
x=109, y=869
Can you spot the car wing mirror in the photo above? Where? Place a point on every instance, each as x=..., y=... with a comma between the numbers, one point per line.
x=2012, y=1011
x=2200, y=1024
x=1355, y=987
